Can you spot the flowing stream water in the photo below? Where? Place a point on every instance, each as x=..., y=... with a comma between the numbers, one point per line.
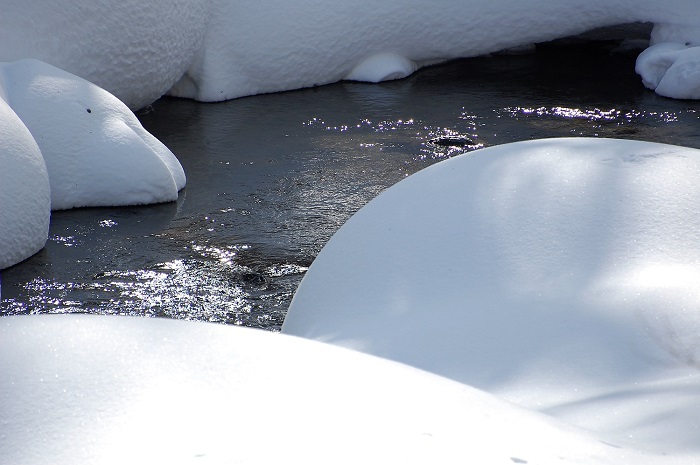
x=272, y=177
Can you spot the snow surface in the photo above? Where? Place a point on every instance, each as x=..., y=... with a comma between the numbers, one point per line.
x=24, y=190
x=671, y=65
x=134, y=49
x=96, y=151
x=102, y=390
x=64, y=135
x=671, y=69
x=559, y=274
x=216, y=50
x=267, y=46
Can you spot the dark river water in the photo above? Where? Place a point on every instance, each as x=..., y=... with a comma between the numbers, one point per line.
x=272, y=177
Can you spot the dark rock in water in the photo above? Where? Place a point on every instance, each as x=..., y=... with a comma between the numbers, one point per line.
x=452, y=141
x=253, y=278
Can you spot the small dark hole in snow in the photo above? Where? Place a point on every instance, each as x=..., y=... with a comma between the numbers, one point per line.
x=89, y=110
x=517, y=460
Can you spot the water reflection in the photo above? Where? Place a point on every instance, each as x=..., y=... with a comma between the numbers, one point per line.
x=595, y=114
x=272, y=177
x=217, y=291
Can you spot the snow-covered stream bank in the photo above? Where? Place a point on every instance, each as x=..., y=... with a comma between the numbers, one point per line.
x=272, y=177
x=108, y=390
x=212, y=50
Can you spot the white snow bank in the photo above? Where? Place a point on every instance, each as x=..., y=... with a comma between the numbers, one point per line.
x=560, y=274
x=671, y=65
x=24, y=190
x=268, y=46
x=134, y=49
x=671, y=69
x=97, y=389
x=94, y=149
x=217, y=49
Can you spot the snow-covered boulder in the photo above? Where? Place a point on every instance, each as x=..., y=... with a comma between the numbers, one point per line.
x=217, y=49
x=96, y=151
x=671, y=65
x=67, y=143
x=25, y=201
x=261, y=47
x=117, y=390
x=560, y=274
x=134, y=49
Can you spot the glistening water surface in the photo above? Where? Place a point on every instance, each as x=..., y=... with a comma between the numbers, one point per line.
x=272, y=177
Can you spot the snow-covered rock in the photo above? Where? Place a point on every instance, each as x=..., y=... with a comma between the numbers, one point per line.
x=671, y=69
x=217, y=49
x=24, y=190
x=134, y=49
x=560, y=274
x=65, y=137
x=671, y=65
x=267, y=47
x=96, y=151
x=103, y=390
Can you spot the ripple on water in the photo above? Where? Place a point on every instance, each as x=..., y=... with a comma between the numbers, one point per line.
x=272, y=177
x=220, y=291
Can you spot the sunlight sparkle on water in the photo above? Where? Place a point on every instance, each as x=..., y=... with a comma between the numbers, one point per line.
x=590, y=114
x=214, y=289
x=434, y=142
x=68, y=241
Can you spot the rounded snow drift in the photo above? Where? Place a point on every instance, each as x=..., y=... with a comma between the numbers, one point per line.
x=99, y=389
x=135, y=50
x=671, y=69
x=561, y=274
x=25, y=201
x=382, y=67
x=95, y=149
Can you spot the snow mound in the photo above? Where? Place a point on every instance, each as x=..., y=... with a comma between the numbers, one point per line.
x=99, y=389
x=214, y=50
x=136, y=50
x=24, y=190
x=268, y=47
x=559, y=274
x=382, y=67
x=96, y=151
x=66, y=136
x=671, y=65
x=671, y=69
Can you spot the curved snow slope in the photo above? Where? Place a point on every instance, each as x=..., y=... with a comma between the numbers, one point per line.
x=257, y=47
x=24, y=190
x=217, y=49
x=97, y=389
x=96, y=151
x=559, y=274
x=134, y=49
x=671, y=66
x=671, y=69
x=65, y=137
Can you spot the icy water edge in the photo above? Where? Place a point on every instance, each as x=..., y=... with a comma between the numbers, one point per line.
x=272, y=177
